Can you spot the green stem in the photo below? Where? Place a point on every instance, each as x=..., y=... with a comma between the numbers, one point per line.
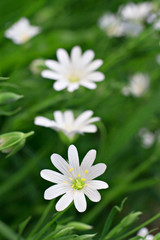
x=42, y=218
x=139, y=227
x=47, y=226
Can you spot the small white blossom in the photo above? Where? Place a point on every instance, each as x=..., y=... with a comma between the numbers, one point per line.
x=75, y=180
x=138, y=85
x=156, y=25
x=136, y=12
x=144, y=233
x=21, y=31
x=114, y=26
x=70, y=126
x=71, y=72
x=147, y=137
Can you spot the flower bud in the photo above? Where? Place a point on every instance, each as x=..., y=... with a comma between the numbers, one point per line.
x=12, y=142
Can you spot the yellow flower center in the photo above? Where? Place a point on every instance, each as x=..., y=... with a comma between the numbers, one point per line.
x=73, y=78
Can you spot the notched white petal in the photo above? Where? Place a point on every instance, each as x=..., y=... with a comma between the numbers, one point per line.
x=80, y=201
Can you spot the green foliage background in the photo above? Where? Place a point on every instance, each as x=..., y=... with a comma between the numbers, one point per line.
x=132, y=170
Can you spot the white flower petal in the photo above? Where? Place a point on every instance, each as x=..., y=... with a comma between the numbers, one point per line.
x=60, y=85
x=94, y=65
x=69, y=118
x=92, y=120
x=54, y=191
x=52, y=176
x=96, y=170
x=98, y=184
x=60, y=164
x=150, y=237
x=142, y=232
x=45, y=122
x=89, y=129
x=96, y=76
x=63, y=57
x=51, y=75
x=92, y=194
x=59, y=118
x=80, y=201
x=75, y=54
x=83, y=117
x=87, y=84
x=73, y=158
x=87, y=57
x=73, y=86
x=64, y=201
x=88, y=160
x=54, y=65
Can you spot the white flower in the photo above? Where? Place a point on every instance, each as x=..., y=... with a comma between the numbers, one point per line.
x=21, y=31
x=132, y=29
x=136, y=12
x=75, y=180
x=71, y=72
x=70, y=126
x=112, y=25
x=147, y=137
x=144, y=233
x=138, y=85
x=156, y=25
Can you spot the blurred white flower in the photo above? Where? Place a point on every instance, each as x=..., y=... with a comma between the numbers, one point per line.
x=114, y=26
x=138, y=85
x=21, y=31
x=156, y=25
x=71, y=72
x=144, y=234
x=136, y=12
x=70, y=126
x=37, y=65
x=75, y=180
x=147, y=137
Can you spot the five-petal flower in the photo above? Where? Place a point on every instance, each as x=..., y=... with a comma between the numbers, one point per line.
x=21, y=31
x=70, y=126
x=75, y=180
x=71, y=72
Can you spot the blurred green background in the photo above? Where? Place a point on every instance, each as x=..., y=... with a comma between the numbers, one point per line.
x=133, y=171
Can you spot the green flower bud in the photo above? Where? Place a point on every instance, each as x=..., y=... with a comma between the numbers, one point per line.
x=12, y=142
x=80, y=226
x=8, y=97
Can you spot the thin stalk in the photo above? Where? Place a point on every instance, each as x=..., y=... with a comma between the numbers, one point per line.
x=42, y=218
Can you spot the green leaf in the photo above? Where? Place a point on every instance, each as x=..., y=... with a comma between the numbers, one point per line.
x=110, y=218
x=9, y=113
x=8, y=97
x=121, y=227
x=157, y=237
x=23, y=225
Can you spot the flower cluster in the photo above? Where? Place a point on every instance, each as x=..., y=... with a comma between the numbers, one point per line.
x=129, y=20
x=144, y=233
